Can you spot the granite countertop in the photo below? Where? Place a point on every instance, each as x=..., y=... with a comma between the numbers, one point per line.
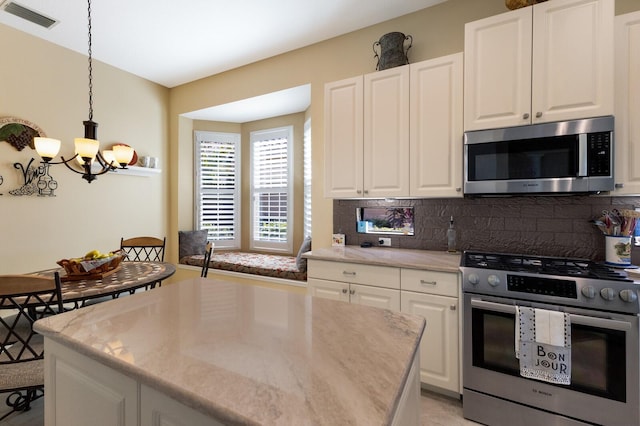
x=251, y=355
x=385, y=256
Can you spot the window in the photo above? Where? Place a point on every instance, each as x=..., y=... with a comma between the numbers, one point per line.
x=307, y=178
x=271, y=189
x=218, y=187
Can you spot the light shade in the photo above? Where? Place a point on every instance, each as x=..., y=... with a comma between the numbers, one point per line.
x=87, y=148
x=123, y=154
x=47, y=148
x=109, y=156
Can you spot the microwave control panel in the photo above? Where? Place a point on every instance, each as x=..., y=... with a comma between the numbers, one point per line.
x=599, y=155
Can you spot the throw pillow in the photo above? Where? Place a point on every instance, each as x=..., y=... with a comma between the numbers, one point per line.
x=301, y=262
x=192, y=242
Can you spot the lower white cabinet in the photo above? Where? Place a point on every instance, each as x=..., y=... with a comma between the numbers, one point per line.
x=157, y=409
x=343, y=281
x=439, y=345
x=432, y=295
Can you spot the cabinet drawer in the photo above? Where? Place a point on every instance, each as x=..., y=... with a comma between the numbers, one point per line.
x=379, y=276
x=432, y=282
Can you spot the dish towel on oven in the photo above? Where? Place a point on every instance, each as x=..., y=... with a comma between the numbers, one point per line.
x=543, y=345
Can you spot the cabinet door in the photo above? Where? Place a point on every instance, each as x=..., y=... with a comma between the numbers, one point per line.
x=386, y=133
x=436, y=127
x=375, y=296
x=497, y=70
x=333, y=290
x=343, y=128
x=572, y=59
x=439, y=347
x=81, y=391
x=627, y=113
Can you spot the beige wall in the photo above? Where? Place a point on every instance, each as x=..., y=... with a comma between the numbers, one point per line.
x=436, y=31
x=48, y=85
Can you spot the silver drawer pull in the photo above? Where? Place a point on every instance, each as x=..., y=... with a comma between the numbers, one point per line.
x=352, y=292
x=344, y=290
x=428, y=282
x=348, y=273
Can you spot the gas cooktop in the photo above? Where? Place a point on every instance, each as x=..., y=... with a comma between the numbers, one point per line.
x=552, y=280
x=565, y=267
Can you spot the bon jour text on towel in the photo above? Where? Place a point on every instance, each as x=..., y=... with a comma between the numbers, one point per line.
x=543, y=345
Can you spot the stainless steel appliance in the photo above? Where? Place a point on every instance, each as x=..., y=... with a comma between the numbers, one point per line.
x=562, y=157
x=603, y=307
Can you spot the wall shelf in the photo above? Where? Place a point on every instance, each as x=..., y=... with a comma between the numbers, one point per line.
x=137, y=171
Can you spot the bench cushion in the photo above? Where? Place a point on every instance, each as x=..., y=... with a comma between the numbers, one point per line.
x=269, y=265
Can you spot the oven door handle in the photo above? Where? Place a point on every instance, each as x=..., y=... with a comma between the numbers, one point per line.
x=610, y=324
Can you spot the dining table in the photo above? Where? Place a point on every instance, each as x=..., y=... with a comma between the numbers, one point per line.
x=129, y=277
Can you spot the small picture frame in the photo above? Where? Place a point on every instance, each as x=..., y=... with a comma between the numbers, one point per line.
x=337, y=240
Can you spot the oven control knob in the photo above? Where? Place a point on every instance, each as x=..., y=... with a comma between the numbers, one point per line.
x=589, y=292
x=628, y=295
x=473, y=279
x=494, y=281
x=608, y=293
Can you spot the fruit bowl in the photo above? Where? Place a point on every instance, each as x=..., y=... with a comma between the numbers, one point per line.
x=85, y=267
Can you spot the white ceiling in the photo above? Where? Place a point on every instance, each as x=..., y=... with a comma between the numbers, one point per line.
x=174, y=42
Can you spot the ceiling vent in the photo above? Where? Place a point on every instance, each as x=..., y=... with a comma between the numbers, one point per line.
x=28, y=14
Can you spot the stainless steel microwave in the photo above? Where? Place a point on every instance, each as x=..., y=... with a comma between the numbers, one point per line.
x=563, y=157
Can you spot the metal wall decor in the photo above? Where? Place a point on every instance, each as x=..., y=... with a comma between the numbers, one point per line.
x=392, y=50
x=36, y=180
x=19, y=133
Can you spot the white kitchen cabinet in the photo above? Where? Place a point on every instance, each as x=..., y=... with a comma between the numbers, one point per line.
x=386, y=133
x=627, y=113
x=343, y=148
x=86, y=392
x=436, y=127
x=367, y=135
x=157, y=409
x=434, y=296
x=548, y=62
x=377, y=286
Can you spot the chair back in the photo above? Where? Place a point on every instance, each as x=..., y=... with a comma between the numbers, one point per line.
x=143, y=249
x=26, y=299
x=207, y=258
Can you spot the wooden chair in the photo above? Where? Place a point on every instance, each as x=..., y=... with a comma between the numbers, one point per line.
x=143, y=249
x=207, y=258
x=27, y=299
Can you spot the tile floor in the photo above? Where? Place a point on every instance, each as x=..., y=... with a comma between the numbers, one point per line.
x=437, y=410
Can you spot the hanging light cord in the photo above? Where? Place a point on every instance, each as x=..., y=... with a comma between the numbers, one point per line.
x=90, y=66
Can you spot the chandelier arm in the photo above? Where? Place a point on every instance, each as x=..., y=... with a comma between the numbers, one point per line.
x=63, y=160
x=104, y=163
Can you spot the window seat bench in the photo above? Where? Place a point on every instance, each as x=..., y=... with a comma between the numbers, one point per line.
x=270, y=265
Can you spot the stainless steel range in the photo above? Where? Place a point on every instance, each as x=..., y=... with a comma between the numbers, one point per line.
x=602, y=306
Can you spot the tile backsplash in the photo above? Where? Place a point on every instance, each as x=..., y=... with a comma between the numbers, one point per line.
x=546, y=226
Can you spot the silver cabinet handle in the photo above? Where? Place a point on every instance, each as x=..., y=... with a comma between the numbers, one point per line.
x=358, y=191
x=618, y=185
x=366, y=191
x=350, y=273
x=525, y=115
x=423, y=282
x=352, y=292
x=344, y=291
x=538, y=114
x=458, y=189
x=453, y=307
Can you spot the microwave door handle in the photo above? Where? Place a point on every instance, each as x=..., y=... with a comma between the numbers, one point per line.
x=583, y=162
x=575, y=319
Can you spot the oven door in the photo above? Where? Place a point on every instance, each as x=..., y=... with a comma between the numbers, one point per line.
x=604, y=362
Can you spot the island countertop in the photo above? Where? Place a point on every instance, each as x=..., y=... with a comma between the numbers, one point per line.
x=386, y=256
x=251, y=355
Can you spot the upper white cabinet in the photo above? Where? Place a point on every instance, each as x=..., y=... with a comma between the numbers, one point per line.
x=436, y=127
x=367, y=135
x=396, y=133
x=548, y=62
x=343, y=128
x=627, y=110
x=386, y=133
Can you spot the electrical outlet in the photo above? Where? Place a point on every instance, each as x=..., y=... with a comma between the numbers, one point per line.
x=384, y=242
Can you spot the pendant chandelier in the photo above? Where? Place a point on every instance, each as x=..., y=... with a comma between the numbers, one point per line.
x=87, y=148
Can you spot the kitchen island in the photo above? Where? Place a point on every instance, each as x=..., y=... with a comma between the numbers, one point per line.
x=206, y=351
